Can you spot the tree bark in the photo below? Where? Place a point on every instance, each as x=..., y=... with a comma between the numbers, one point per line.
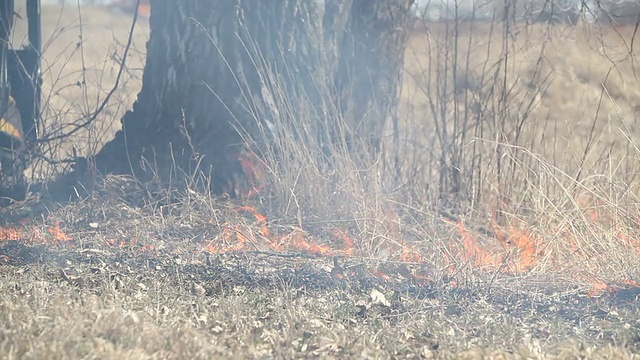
x=219, y=70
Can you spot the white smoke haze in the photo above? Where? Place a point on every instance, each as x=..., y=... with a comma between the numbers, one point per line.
x=571, y=11
x=567, y=11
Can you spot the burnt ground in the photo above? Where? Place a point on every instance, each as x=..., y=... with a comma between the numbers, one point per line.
x=90, y=294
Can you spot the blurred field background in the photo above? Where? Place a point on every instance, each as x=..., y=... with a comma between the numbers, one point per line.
x=83, y=50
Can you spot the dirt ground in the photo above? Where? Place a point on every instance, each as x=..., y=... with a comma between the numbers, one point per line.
x=129, y=271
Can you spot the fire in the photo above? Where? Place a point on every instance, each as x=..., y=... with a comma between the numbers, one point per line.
x=57, y=234
x=598, y=287
x=514, y=248
x=258, y=237
x=8, y=234
x=233, y=239
x=410, y=255
x=34, y=234
x=514, y=251
x=260, y=219
x=378, y=273
x=253, y=172
x=297, y=240
x=511, y=247
x=523, y=244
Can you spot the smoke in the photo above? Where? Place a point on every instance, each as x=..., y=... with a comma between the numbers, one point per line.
x=616, y=11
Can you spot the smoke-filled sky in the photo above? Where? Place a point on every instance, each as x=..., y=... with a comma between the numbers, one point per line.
x=438, y=9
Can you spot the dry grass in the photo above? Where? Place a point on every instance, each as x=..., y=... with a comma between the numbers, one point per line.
x=539, y=124
x=136, y=283
x=576, y=76
x=540, y=135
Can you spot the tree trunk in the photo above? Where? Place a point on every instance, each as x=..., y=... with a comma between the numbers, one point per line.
x=217, y=71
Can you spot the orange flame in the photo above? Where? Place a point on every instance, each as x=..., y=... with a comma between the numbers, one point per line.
x=261, y=219
x=517, y=252
x=8, y=234
x=237, y=238
x=598, y=287
x=232, y=240
x=347, y=244
x=510, y=248
x=473, y=252
x=409, y=255
x=378, y=273
x=253, y=171
x=525, y=247
x=58, y=234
